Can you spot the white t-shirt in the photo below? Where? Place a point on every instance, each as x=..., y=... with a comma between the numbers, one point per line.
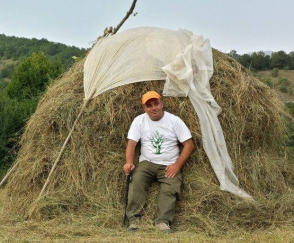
x=159, y=139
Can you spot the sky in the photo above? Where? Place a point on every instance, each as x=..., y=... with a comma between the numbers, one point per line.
x=244, y=26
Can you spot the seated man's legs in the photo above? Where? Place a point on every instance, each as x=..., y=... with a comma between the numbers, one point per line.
x=143, y=175
x=170, y=189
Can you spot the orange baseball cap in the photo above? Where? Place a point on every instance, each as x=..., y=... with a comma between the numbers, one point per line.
x=150, y=95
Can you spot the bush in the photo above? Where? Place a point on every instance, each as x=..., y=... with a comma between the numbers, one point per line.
x=283, y=81
x=3, y=84
x=19, y=100
x=32, y=76
x=275, y=72
x=290, y=106
x=13, y=115
x=7, y=71
x=283, y=89
x=269, y=83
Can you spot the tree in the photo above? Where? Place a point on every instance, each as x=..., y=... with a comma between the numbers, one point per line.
x=19, y=99
x=233, y=54
x=275, y=72
x=291, y=60
x=280, y=60
x=7, y=71
x=12, y=118
x=17, y=48
x=259, y=60
x=32, y=76
x=245, y=60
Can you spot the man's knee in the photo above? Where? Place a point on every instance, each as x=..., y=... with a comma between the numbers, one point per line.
x=166, y=189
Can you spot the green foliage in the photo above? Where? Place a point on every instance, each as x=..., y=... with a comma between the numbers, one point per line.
x=40, y=61
x=19, y=100
x=12, y=118
x=260, y=61
x=290, y=106
x=16, y=48
x=7, y=71
x=279, y=60
x=275, y=72
x=32, y=76
x=269, y=83
x=245, y=60
x=3, y=84
x=283, y=81
x=283, y=84
x=233, y=54
x=283, y=89
x=291, y=60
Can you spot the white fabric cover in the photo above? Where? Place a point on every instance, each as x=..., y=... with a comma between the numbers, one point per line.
x=131, y=56
x=184, y=61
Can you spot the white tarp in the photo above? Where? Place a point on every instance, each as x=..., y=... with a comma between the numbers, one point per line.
x=185, y=62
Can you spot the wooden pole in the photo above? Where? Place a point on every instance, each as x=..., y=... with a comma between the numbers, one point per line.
x=8, y=173
x=66, y=141
x=32, y=209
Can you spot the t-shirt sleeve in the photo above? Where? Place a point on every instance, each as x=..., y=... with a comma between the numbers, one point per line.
x=182, y=131
x=134, y=132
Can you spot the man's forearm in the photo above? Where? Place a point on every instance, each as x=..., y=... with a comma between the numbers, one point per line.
x=130, y=155
x=130, y=151
x=186, y=152
x=172, y=170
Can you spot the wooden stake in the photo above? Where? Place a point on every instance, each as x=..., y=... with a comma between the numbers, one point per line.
x=8, y=173
x=32, y=209
x=66, y=141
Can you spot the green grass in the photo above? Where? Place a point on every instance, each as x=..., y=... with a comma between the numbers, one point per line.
x=288, y=75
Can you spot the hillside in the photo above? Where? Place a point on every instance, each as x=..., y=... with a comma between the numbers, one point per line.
x=38, y=62
x=5, y=62
x=283, y=83
x=14, y=49
x=5, y=76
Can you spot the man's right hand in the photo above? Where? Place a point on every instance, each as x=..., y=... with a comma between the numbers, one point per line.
x=130, y=154
x=128, y=168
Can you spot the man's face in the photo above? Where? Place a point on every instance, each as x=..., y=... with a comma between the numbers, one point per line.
x=154, y=109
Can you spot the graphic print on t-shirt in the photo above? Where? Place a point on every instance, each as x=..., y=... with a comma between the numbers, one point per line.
x=157, y=140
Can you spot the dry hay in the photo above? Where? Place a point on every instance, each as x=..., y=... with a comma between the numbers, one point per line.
x=89, y=181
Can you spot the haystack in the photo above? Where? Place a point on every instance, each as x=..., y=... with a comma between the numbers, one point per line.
x=89, y=181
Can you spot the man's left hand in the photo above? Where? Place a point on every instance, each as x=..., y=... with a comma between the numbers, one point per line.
x=172, y=170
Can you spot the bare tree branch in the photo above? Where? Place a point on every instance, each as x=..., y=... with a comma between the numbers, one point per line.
x=126, y=17
x=110, y=30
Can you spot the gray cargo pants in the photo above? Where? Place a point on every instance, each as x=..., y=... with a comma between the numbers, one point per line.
x=143, y=176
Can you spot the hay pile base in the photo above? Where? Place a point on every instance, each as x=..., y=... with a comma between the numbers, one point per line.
x=89, y=181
